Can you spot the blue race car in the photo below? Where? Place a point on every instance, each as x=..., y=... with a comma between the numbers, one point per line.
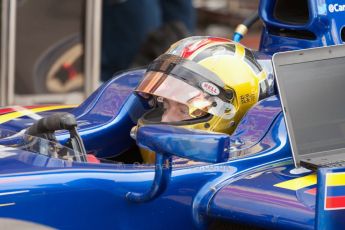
x=88, y=173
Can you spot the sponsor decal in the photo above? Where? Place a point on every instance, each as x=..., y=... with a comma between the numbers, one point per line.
x=336, y=8
x=246, y=98
x=210, y=88
x=335, y=191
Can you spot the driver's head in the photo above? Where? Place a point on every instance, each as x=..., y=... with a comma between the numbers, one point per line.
x=203, y=83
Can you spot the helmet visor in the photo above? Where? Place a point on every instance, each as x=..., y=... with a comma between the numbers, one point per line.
x=174, y=88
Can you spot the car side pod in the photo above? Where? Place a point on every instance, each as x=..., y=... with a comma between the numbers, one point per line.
x=167, y=141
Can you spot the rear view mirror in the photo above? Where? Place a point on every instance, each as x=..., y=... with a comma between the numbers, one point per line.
x=167, y=141
x=186, y=143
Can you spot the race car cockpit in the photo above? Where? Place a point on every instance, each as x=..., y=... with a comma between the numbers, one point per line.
x=200, y=88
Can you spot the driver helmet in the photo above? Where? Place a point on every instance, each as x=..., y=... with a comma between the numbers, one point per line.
x=214, y=79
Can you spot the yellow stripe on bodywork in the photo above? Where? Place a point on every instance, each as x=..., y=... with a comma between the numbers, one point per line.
x=298, y=183
x=335, y=179
x=10, y=116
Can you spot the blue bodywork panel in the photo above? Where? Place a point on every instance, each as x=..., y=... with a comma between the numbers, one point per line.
x=31, y=182
x=323, y=27
x=247, y=178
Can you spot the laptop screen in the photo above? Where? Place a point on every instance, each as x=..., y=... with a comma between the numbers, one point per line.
x=314, y=93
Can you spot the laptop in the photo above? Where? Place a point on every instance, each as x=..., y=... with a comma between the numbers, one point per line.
x=311, y=85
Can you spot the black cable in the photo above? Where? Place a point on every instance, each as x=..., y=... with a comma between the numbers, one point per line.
x=251, y=20
x=242, y=29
